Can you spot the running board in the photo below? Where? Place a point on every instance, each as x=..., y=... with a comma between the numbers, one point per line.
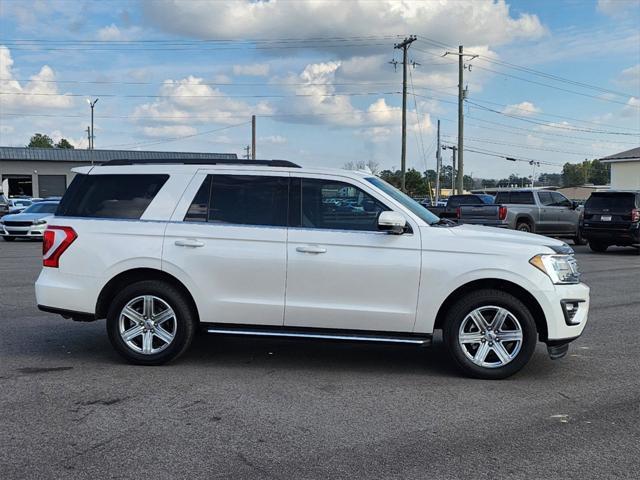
x=407, y=339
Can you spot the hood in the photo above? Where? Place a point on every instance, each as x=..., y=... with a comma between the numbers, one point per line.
x=25, y=217
x=513, y=237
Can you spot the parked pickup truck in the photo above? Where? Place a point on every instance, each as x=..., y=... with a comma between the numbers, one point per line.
x=528, y=210
x=451, y=208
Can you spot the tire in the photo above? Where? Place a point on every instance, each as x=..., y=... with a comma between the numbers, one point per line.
x=468, y=356
x=579, y=239
x=149, y=343
x=524, y=226
x=8, y=239
x=598, y=247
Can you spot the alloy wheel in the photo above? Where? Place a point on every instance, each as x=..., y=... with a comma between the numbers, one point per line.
x=147, y=324
x=490, y=336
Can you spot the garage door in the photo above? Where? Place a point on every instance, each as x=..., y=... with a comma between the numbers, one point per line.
x=52, y=185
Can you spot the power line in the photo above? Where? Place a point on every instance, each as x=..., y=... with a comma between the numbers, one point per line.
x=116, y=95
x=174, y=139
x=529, y=147
x=561, y=127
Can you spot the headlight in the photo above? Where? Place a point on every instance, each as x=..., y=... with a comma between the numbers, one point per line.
x=561, y=269
x=39, y=222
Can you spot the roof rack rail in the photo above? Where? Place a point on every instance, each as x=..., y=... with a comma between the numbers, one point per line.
x=203, y=161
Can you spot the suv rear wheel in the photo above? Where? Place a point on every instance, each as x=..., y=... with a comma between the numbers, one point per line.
x=150, y=323
x=490, y=334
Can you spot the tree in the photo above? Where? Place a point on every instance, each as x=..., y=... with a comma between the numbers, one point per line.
x=599, y=173
x=372, y=165
x=40, y=140
x=64, y=143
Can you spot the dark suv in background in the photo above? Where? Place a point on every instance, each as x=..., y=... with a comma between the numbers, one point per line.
x=612, y=218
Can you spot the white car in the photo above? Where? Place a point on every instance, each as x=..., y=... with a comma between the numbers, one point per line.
x=30, y=223
x=256, y=248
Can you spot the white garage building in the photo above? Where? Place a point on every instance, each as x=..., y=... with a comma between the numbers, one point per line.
x=625, y=169
x=45, y=172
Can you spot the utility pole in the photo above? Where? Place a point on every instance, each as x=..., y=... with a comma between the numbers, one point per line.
x=253, y=137
x=247, y=155
x=404, y=45
x=462, y=93
x=438, y=164
x=453, y=148
x=89, y=138
x=93, y=136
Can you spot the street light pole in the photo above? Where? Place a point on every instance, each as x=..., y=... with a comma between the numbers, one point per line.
x=93, y=137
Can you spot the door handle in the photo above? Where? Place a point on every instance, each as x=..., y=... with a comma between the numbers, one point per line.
x=189, y=243
x=311, y=249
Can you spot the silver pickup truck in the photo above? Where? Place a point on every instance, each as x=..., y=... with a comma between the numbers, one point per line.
x=528, y=210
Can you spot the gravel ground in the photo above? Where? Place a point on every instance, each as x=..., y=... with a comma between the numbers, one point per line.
x=263, y=408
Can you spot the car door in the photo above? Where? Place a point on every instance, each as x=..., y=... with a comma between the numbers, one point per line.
x=227, y=243
x=342, y=272
x=548, y=221
x=567, y=216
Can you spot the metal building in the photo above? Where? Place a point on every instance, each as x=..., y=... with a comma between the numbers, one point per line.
x=46, y=172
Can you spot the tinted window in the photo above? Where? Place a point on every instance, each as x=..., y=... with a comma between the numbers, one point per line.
x=405, y=200
x=458, y=200
x=612, y=201
x=560, y=200
x=42, y=208
x=241, y=200
x=545, y=198
x=110, y=196
x=336, y=205
x=521, y=198
x=502, y=197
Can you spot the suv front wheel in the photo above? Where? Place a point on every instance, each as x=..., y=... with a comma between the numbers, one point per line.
x=490, y=334
x=150, y=323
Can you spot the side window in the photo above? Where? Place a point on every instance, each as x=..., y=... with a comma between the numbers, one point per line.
x=502, y=197
x=110, y=196
x=329, y=204
x=522, y=198
x=241, y=200
x=560, y=200
x=545, y=198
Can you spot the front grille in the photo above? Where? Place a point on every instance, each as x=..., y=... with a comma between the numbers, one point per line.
x=10, y=223
x=13, y=232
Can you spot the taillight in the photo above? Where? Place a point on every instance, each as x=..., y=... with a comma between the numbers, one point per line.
x=635, y=215
x=56, y=240
x=502, y=213
x=458, y=212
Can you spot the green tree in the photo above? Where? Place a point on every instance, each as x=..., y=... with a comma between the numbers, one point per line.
x=573, y=174
x=599, y=173
x=64, y=143
x=40, y=140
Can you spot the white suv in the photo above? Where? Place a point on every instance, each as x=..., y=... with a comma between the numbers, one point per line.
x=268, y=248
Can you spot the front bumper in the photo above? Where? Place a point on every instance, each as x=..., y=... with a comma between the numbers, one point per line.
x=559, y=329
x=31, y=231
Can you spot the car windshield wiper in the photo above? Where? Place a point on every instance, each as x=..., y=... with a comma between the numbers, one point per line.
x=445, y=222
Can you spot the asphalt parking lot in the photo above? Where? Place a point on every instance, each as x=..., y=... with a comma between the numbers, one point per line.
x=238, y=408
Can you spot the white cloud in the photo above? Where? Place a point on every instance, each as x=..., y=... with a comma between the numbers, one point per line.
x=630, y=77
x=522, y=109
x=190, y=100
x=632, y=108
x=169, y=131
x=481, y=21
x=114, y=33
x=273, y=139
x=39, y=91
x=252, y=70
x=616, y=8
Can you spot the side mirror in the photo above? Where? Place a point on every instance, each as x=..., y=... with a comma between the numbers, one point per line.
x=574, y=205
x=392, y=222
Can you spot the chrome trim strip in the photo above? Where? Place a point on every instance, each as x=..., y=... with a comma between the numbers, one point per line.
x=319, y=336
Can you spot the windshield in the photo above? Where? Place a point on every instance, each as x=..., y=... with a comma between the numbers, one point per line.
x=42, y=208
x=406, y=201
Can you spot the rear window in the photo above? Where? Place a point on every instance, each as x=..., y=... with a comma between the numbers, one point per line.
x=611, y=201
x=518, y=198
x=110, y=196
x=458, y=200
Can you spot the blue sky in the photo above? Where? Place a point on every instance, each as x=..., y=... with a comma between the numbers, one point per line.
x=187, y=75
